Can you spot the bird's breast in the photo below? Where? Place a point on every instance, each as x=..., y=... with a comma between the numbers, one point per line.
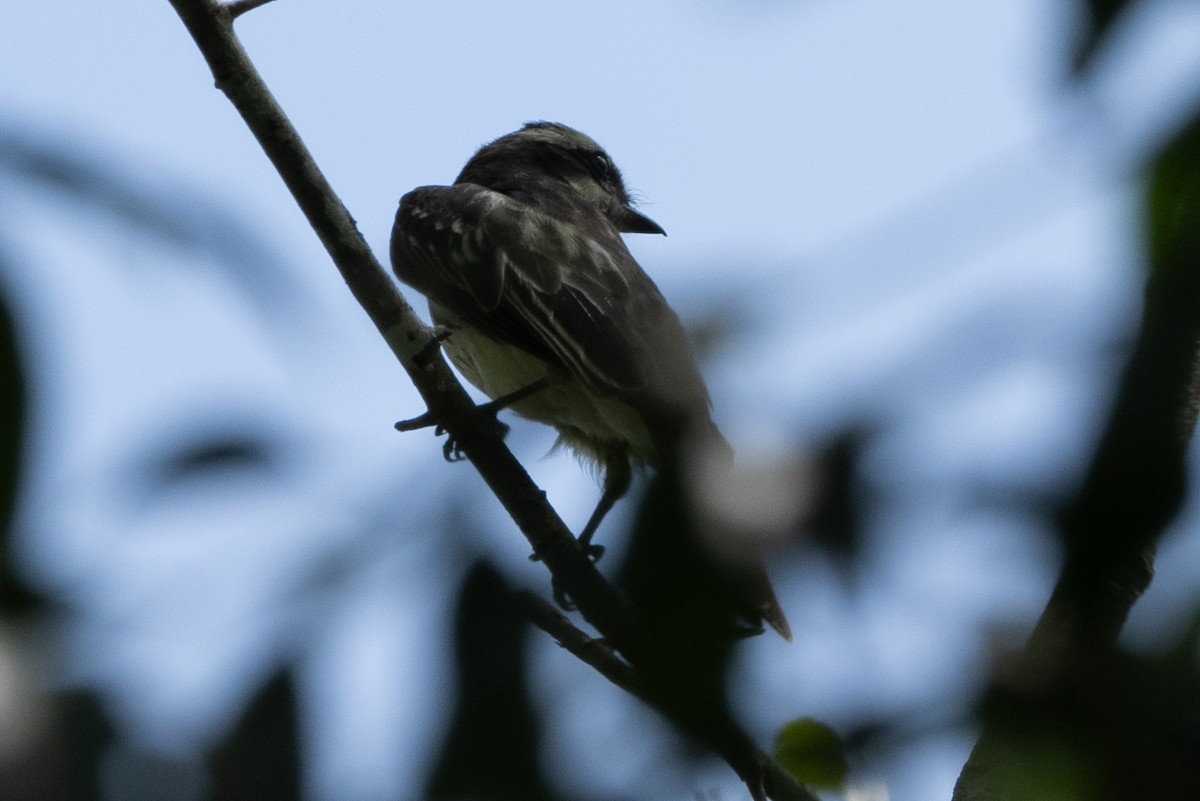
x=589, y=423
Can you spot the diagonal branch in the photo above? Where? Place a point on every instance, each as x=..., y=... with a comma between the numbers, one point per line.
x=210, y=24
x=1134, y=487
x=599, y=655
x=776, y=782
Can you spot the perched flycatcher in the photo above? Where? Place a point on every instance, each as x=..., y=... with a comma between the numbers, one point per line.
x=524, y=267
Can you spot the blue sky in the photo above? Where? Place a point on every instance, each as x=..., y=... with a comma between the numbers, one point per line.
x=922, y=224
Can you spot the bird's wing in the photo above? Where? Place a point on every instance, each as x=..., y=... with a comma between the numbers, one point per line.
x=547, y=286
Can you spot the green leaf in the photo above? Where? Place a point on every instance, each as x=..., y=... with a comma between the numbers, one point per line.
x=811, y=751
x=1173, y=206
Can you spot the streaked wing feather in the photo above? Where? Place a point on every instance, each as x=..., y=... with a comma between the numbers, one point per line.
x=523, y=277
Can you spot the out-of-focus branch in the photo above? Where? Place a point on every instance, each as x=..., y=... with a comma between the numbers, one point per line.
x=211, y=25
x=1133, y=488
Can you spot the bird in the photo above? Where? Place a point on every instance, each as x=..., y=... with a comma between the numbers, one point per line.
x=543, y=308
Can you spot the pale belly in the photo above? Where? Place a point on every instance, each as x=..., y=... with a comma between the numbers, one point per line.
x=587, y=422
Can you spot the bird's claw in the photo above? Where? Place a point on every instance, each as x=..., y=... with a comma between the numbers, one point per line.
x=451, y=450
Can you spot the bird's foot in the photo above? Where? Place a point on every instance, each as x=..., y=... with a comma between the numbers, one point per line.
x=591, y=551
x=452, y=451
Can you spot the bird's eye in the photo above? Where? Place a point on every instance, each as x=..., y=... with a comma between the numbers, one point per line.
x=602, y=166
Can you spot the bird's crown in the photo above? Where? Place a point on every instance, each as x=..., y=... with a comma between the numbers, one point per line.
x=550, y=166
x=547, y=150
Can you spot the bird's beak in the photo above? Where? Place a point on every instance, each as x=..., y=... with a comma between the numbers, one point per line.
x=632, y=222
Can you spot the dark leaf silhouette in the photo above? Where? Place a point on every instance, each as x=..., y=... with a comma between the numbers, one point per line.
x=491, y=753
x=260, y=760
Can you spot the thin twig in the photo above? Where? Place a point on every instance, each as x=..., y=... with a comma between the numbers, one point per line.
x=776, y=782
x=474, y=432
x=589, y=650
x=239, y=7
x=416, y=423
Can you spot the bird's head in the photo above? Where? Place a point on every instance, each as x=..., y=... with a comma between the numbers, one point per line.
x=549, y=157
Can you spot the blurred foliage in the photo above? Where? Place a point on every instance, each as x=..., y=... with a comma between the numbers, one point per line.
x=72, y=751
x=834, y=523
x=811, y=751
x=491, y=753
x=1081, y=718
x=63, y=761
x=683, y=596
x=233, y=447
x=1099, y=19
x=1137, y=480
x=15, y=598
x=157, y=210
x=691, y=606
x=260, y=759
x=1172, y=214
x=1127, y=727
x=1119, y=726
